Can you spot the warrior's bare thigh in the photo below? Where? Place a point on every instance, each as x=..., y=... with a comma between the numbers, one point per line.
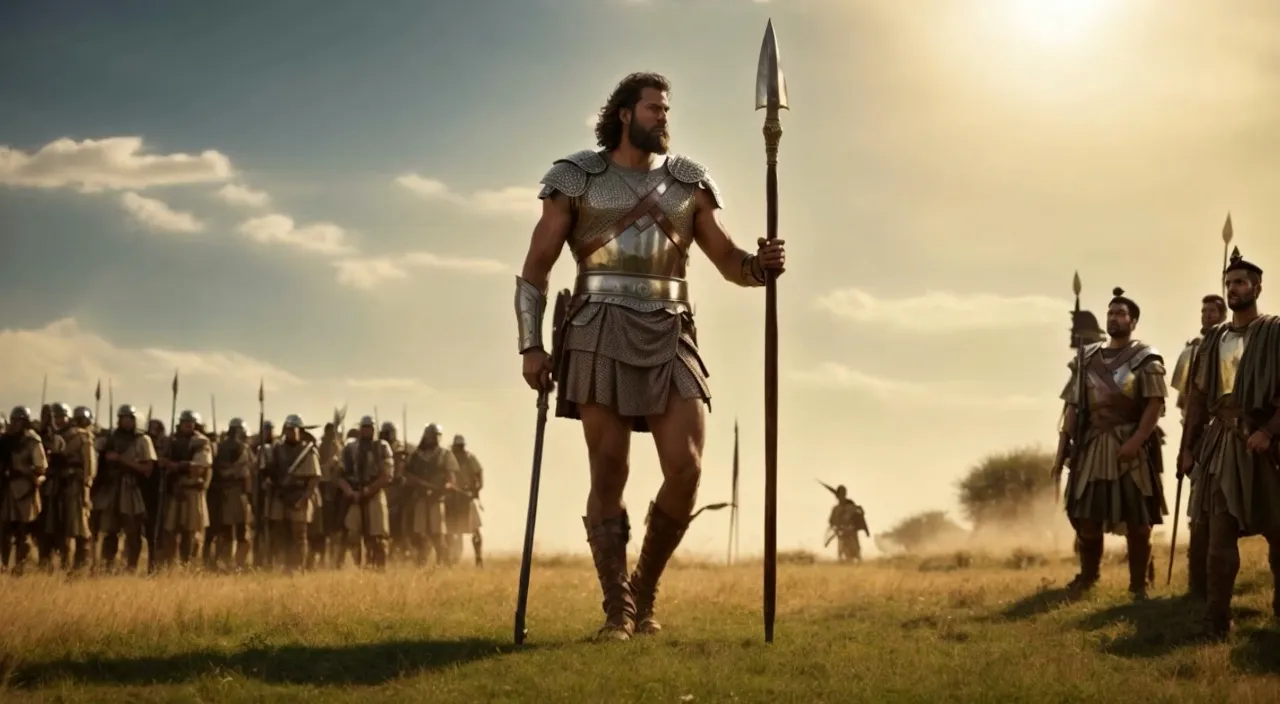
x=679, y=433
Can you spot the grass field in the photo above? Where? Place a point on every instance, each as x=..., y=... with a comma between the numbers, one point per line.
x=892, y=630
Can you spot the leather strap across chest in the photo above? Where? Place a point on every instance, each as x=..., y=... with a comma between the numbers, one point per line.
x=648, y=205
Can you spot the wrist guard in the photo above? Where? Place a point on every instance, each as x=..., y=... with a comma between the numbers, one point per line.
x=531, y=305
x=750, y=273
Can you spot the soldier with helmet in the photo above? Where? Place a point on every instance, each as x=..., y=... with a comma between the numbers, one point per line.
x=367, y=467
x=186, y=469
x=293, y=474
x=463, y=504
x=127, y=457
x=260, y=443
x=66, y=510
x=150, y=486
x=430, y=478
x=23, y=461
x=325, y=521
x=55, y=419
x=398, y=543
x=230, y=496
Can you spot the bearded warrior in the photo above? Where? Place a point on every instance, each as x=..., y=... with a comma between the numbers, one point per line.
x=1115, y=483
x=1229, y=443
x=630, y=212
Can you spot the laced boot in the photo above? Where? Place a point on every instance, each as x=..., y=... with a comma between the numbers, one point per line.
x=1090, y=550
x=660, y=541
x=609, y=551
x=1139, y=562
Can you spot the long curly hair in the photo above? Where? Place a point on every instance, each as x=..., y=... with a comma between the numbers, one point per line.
x=626, y=95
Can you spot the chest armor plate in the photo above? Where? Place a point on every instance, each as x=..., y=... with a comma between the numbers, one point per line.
x=1182, y=368
x=1107, y=380
x=1230, y=349
x=367, y=464
x=644, y=246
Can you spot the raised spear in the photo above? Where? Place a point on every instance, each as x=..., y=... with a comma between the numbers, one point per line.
x=771, y=94
x=1227, y=234
x=111, y=406
x=164, y=477
x=97, y=403
x=733, y=512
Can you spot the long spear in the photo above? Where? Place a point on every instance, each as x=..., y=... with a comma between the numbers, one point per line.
x=213, y=408
x=771, y=94
x=111, y=405
x=97, y=403
x=164, y=479
x=733, y=511
x=1227, y=234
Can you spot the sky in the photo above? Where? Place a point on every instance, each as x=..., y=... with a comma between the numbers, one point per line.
x=335, y=197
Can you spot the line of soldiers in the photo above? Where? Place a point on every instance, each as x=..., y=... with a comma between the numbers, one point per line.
x=1228, y=379
x=293, y=501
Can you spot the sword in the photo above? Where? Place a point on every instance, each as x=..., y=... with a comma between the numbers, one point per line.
x=771, y=94
x=526, y=557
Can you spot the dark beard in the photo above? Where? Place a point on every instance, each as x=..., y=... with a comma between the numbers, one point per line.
x=1242, y=303
x=654, y=141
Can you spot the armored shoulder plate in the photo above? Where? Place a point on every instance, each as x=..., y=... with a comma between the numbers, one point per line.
x=569, y=175
x=1089, y=350
x=687, y=170
x=1145, y=355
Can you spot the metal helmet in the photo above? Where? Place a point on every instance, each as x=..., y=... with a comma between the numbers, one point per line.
x=189, y=416
x=459, y=440
x=293, y=421
x=19, y=413
x=388, y=426
x=82, y=413
x=433, y=429
x=236, y=424
x=61, y=410
x=127, y=411
x=268, y=425
x=367, y=422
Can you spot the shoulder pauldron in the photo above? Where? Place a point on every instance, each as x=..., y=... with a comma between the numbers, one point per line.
x=687, y=170
x=569, y=174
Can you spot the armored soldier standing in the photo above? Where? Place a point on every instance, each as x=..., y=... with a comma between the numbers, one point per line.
x=187, y=467
x=67, y=506
x=260, y=444
x=157, y=555
x=1213, y=311
x=429, y=479
x=55, y=420
x=367, y=465
x=325, y=521
x=293, y=474
x=126, y=458
x=630, y=213
x=463, y=504
x=23, y=461
x=1229, y=443
x=1115, y=484
x=230, y=493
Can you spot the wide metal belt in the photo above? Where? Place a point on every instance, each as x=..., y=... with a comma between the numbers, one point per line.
x=646, y=287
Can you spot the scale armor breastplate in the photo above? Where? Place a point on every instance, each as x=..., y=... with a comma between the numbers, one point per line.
x=629, y=254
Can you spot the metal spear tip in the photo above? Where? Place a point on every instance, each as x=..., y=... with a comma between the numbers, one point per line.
x=1227, y=232
x=1075, y=284
x=771, y=85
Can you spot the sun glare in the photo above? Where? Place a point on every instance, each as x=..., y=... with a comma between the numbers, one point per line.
x=1056, y=22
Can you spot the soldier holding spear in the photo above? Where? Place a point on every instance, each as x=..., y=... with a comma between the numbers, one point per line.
x=630, y=212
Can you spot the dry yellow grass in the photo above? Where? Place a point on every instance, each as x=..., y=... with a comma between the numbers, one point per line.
x=893, y=630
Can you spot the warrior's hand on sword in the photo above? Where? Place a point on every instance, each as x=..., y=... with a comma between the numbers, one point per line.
x=537, y=369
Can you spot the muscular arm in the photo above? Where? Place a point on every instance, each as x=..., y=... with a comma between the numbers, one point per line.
x=549, y=236
x=1150, y=416
x=736, y=265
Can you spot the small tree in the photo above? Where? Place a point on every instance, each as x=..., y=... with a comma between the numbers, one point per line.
x=925, y=530
x=1007, y=488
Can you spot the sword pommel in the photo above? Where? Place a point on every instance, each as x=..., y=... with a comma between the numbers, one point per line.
x=771, y=85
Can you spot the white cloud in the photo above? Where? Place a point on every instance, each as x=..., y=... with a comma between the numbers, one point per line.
x=75, y=359
x=158, y=216
x=368, y=272
x=831, y=375
x=942, y=312
x=236, y=194
x=512, y=200
x=323, y=238
x=470, y=265
x=113, y=163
